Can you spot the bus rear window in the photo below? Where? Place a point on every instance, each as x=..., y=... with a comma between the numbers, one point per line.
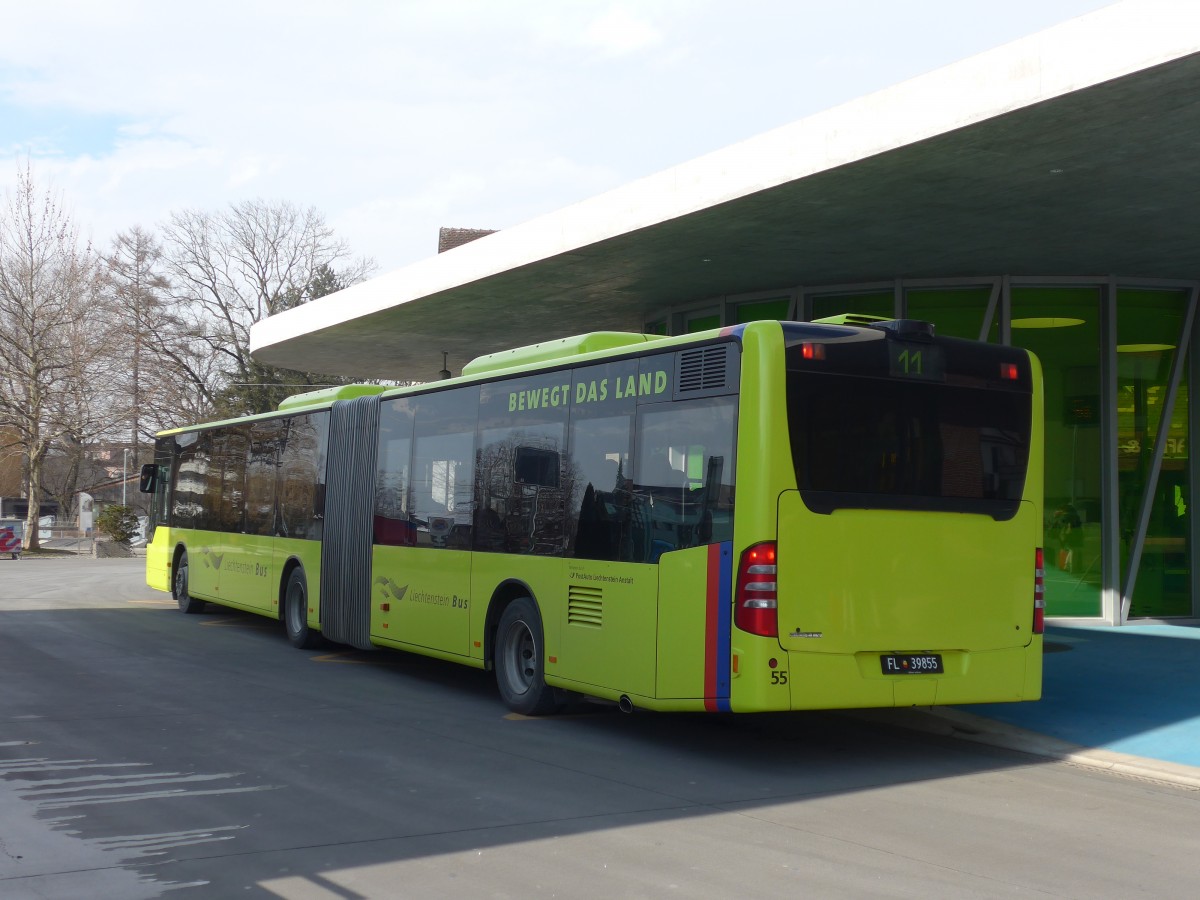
x=883, y=441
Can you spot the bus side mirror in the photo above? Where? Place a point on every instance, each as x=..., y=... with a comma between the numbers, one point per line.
x=148, y=480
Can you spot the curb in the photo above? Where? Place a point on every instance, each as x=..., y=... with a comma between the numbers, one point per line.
x=950, y=722
x=35, y=557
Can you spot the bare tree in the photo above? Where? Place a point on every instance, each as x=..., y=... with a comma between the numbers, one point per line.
x=11, y=463
x=47, y=289
x=171, y=376
x=136, y=287
x=228, y=270
x=87, y=410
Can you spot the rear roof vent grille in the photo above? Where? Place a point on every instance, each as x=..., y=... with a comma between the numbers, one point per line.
x=706, y=371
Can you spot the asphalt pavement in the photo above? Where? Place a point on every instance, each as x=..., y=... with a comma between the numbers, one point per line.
x=1125, y=699
x=145, y=753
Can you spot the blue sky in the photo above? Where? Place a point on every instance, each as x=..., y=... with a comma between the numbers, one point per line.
x=397, y=118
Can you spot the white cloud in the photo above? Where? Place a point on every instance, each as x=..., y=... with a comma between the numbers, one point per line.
x=619, y=31
x=397, y=118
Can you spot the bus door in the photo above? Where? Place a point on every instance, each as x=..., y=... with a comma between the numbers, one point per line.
x=196, y=507
x=423, y=520
x=249, y=575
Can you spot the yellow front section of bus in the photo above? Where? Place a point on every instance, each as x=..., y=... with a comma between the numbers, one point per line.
x=863, y=592
x=158, y=559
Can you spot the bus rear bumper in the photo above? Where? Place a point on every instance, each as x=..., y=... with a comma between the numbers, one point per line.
x=855, y=681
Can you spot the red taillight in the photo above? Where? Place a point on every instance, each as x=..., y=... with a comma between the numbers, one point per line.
x=812, y=351
x=1039, y=592
x=757, y=597
x=1009, y=371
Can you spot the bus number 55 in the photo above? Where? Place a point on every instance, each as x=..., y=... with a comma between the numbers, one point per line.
x=779, y=676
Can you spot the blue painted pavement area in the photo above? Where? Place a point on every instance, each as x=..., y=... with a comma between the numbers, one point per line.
x=1133, y=690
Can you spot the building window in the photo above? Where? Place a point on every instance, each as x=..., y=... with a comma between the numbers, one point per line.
x=757, y=310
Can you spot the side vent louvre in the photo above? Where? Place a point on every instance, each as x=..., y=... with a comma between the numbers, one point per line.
x=585, y=606
x=706, y=371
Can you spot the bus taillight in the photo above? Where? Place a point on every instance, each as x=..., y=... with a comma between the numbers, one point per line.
x=757, y=594
x=812, y=351
x=1039, y=592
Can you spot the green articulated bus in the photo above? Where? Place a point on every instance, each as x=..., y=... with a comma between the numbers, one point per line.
x=773, y=516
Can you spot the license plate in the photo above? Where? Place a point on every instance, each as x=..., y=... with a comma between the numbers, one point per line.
x=911, y=663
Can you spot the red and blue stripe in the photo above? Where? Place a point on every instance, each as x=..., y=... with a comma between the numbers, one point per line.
x=718, y=626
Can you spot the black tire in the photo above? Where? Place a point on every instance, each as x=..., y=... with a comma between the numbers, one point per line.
x=295, y=612
x=519, y=659
x=179, y=588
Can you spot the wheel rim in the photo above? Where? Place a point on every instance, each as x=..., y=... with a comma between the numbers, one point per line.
x=519, y=657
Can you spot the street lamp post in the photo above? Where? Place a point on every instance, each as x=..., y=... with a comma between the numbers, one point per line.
x=124, y=473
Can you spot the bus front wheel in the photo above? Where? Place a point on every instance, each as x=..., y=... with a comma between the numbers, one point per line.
x=520, y=660
x=179, y=588
x=295, y=612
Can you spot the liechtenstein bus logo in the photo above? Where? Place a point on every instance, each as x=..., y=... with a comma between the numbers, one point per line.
x=390, y=588
x=212, y=560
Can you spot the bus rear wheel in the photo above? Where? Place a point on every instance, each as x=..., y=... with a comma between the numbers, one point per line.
x=179, y=588
x=520, y=661
x=295, y=612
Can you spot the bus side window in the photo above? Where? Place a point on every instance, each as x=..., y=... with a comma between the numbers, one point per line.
x=684, y=477
x=600, y=462
x=189, y=481
x=442, y=477
x=225, y=490
x=520, y=482
x=597, y=473
x=519, y=490
x=300, y=492
x=391, y=524
x=260, y=477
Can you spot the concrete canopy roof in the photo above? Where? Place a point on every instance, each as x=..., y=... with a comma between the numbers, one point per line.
x=1073, y=151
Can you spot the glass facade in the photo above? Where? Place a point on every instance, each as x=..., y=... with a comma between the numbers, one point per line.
x=958, y=312
x=702, y=322
x=757, y=310
x=874, y=303
x=1148, y=335
x=1118, y=480
x=1061, y=325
